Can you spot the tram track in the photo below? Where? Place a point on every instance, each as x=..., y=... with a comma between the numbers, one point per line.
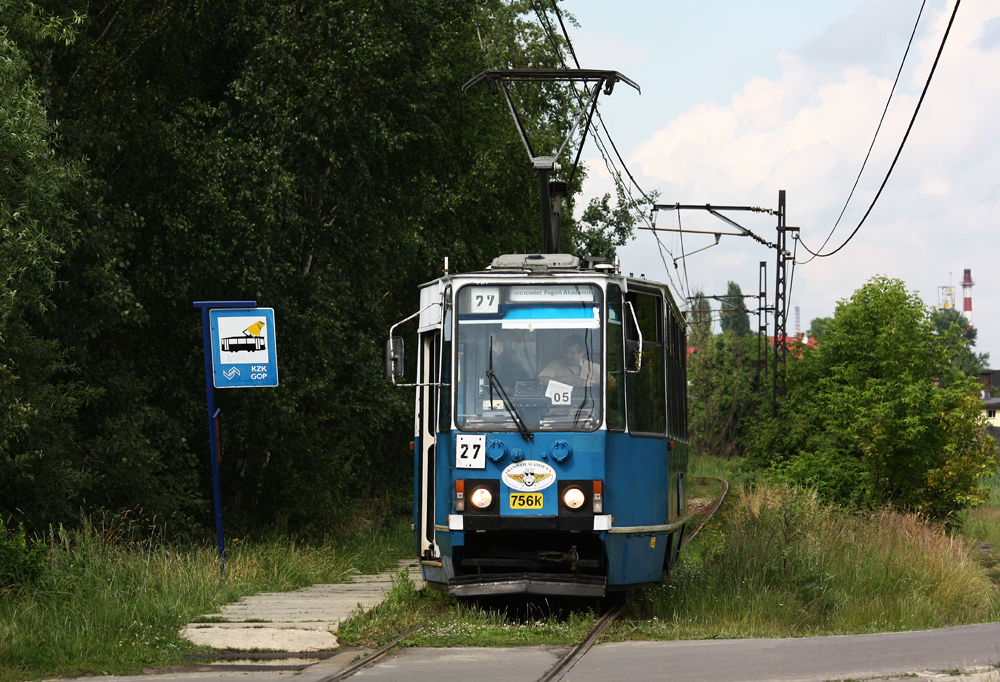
x=560, y=669
x=370, y=658
x=711, y=512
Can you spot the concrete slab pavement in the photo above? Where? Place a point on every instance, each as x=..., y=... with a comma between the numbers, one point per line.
x=301, y=620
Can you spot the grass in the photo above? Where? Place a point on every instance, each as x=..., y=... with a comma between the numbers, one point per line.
x=702, y=465
x=778, y=563
x=775, y=562
x=449, y=622
x=106, y=605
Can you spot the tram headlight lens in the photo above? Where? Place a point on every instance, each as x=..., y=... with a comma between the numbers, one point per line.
x=482, y=498
x=574, y=498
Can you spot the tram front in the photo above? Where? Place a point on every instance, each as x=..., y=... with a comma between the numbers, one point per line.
x=528, y=464
x=519, y=371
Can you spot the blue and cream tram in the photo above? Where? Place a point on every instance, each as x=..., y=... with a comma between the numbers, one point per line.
x=551, y=431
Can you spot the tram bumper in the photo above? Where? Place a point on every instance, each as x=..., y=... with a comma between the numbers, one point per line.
x=566, y=584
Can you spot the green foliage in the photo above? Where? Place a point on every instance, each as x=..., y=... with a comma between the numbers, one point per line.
x=961, y=340
x=603, y=228
x=19, y=564
x=878, y=413
x=818, y=327
x=700, y=319
x=723, y=392
x=58, y=283
x=109, y=604
x=733, y=315
x=316, y=157
x=723, y=376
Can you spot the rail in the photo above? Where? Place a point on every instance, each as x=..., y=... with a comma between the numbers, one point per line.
x=715, y=508
x=369, y=659
x=560, y=669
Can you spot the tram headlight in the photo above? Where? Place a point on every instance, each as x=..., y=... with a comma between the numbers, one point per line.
x=481, y=498
x=574, y=498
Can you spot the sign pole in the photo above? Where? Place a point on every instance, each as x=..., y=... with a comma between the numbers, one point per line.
x=206, y=329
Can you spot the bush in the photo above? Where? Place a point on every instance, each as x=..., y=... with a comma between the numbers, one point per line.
x=877, y=414
x=19, y=564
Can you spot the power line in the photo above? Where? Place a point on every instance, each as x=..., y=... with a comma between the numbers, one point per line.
x=901, y=144
x=892, y=91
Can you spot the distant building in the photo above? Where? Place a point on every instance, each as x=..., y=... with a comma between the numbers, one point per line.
x=990, y=380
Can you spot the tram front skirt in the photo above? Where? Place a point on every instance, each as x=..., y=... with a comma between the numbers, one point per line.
x=565, y=584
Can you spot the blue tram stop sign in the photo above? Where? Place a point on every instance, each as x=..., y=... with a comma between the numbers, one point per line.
x=243, y=350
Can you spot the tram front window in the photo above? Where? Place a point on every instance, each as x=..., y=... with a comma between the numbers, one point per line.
x=543, y=343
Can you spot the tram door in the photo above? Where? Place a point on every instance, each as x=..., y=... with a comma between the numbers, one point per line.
x=430, y=354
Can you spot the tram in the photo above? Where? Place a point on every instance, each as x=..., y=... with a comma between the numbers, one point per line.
x=550, y=444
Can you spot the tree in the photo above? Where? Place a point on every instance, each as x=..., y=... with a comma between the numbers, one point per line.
x=62, y=291
x=700, y=320
x=733, y=315
x=603, y=228
x=878, y=413
x=723, y=393
x=316, y=157
x=964, y=339
x=818, y=327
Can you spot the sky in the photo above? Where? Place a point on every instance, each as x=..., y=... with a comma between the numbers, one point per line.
x=743, y=99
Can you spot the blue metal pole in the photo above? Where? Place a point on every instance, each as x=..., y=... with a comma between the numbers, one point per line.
x=206, y=329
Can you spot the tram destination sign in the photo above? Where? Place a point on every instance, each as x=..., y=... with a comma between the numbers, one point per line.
x=243, y=348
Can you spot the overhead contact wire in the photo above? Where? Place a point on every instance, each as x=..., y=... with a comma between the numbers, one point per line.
x=913, y=119
x=878, y=129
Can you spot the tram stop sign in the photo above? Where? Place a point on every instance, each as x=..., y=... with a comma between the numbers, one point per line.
x=243, y=350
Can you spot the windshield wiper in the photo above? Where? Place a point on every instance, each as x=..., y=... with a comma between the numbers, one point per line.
x=525, y=434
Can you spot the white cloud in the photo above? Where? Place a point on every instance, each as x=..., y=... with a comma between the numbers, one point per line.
x=808, y=131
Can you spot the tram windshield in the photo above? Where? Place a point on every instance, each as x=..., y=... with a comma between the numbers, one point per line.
x=543, y=343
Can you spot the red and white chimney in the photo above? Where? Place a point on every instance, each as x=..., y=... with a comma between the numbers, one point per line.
x=967, y=295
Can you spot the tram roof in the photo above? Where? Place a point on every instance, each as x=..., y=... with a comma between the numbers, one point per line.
x=532, y=265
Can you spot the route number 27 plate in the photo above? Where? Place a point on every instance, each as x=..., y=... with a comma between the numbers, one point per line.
x=470, y=451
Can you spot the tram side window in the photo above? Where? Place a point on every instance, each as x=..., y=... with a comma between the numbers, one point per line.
x=682, y=380
x=444, y=423
x=616, y=361
x=676, y=381
x=647, y=410
x=445, y=402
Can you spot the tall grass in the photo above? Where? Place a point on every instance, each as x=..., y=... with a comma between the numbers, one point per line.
x=107, y=604
x=708, y=465
x=781, y=563
x=983, y=523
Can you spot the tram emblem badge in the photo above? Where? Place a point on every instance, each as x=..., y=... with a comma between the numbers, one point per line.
x=528, y=476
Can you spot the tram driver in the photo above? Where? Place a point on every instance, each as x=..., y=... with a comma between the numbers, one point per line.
x=573, y=368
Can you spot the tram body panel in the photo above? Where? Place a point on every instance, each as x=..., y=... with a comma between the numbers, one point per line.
x=635, y=496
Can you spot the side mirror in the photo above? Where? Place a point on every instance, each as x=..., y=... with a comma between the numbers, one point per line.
x=394, y=358
x=633, y=356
